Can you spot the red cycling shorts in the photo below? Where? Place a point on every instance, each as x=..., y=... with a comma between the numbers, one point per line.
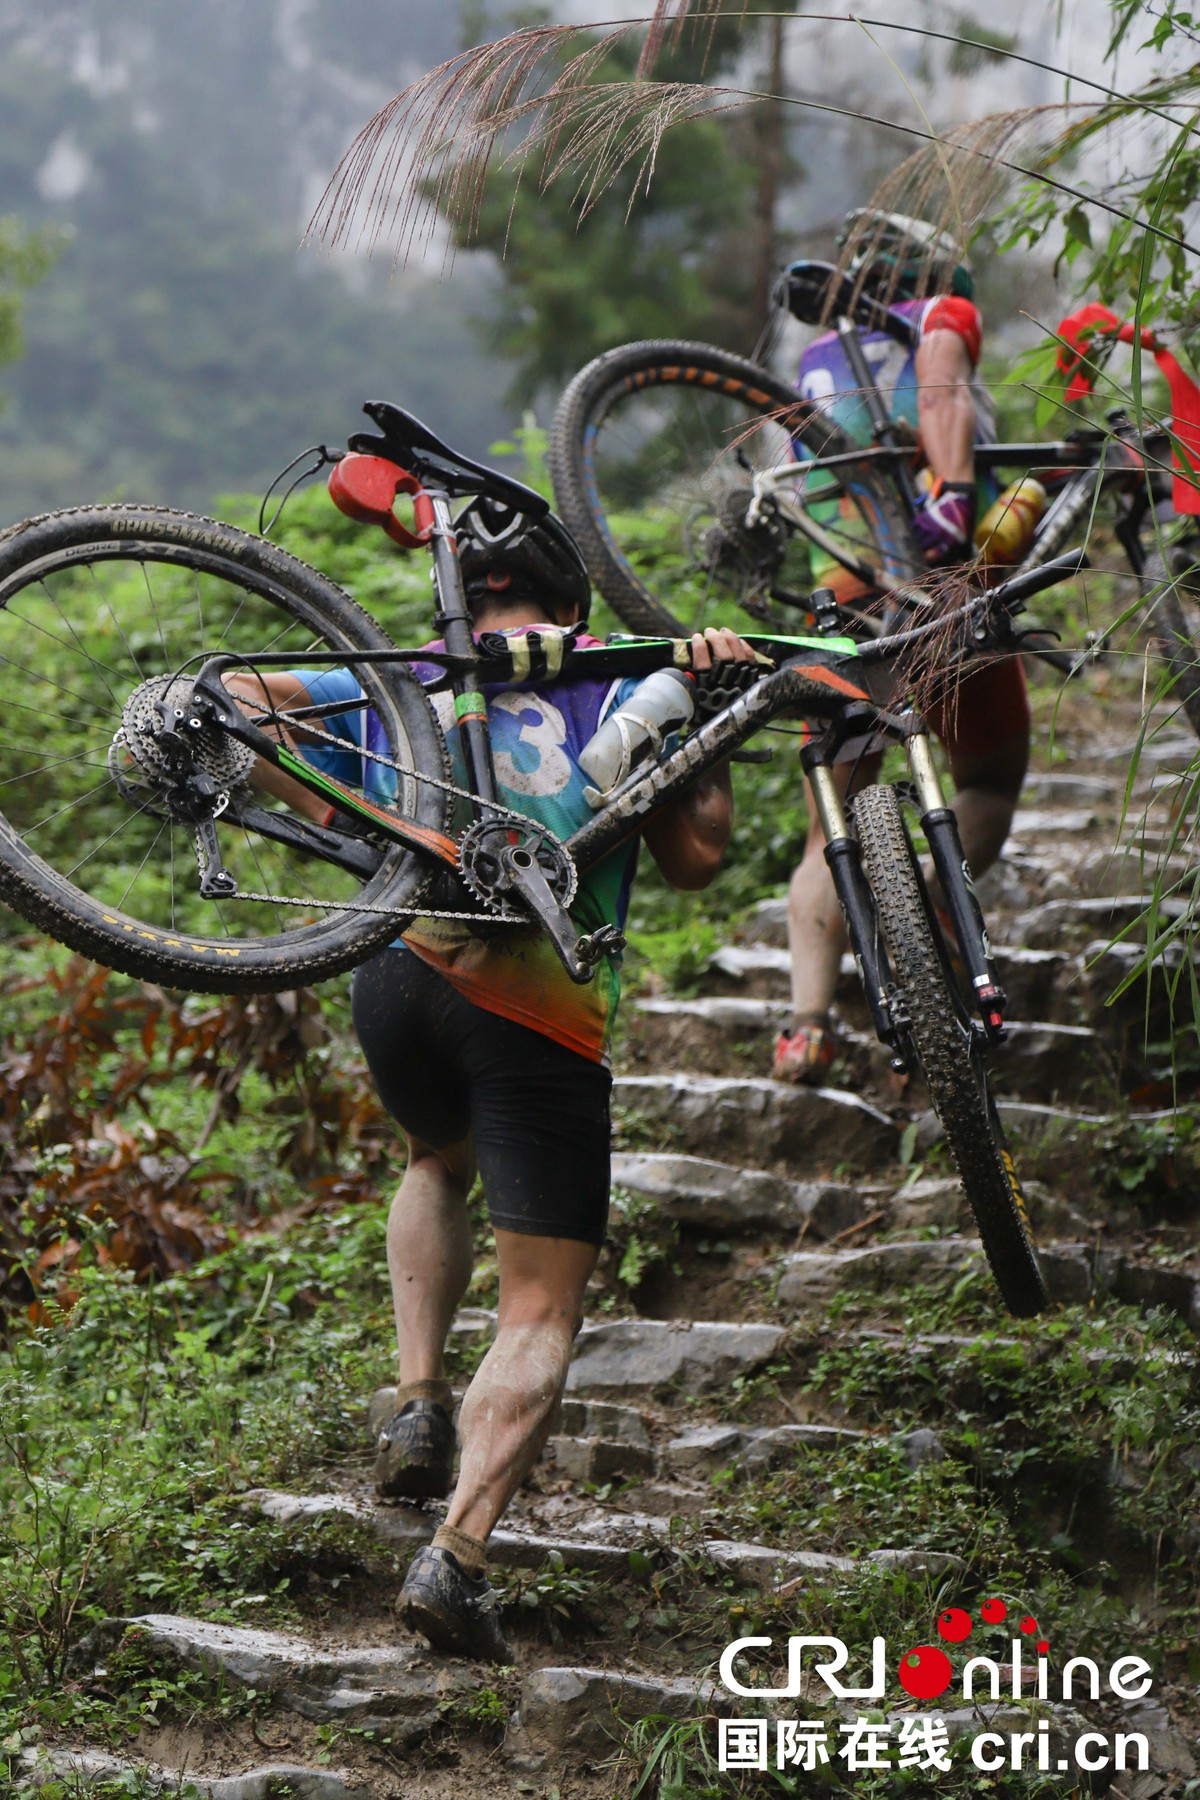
x=987, y=711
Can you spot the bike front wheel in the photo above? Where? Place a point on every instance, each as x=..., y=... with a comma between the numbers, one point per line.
x=105, y=613
x=653, y=454
x=1172, y=579
x=936, y=1024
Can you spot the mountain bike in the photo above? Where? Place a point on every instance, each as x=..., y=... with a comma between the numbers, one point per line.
x=680, y=464
x=138, y=824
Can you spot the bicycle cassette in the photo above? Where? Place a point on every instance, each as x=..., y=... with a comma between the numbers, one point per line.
x=484, y=861
x=212, y=750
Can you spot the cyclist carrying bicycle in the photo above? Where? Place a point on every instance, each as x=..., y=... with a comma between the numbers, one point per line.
x=934, y=388
x=493, y=1061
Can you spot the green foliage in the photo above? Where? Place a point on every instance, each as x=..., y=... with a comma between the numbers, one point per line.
x=1142, y=261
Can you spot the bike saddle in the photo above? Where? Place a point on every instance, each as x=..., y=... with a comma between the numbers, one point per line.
x=815, y=292
x=407, y=442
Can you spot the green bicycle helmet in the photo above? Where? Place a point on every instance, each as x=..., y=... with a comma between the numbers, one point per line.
x=902, y=258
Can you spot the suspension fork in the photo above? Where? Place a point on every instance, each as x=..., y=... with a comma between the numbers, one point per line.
x=940, y=826
x=844, y=858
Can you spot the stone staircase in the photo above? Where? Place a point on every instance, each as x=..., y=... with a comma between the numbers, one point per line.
x=797, y=1218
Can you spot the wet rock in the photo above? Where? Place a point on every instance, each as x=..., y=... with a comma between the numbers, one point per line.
x=580, y=1714
x=760, y=970
x=811, y=1277
x=597, y=1460
x=50, y=1767
x=922, y=1446
x=761, y=1121
x=603, y=1419
x=723, y=1446
x=1049, y=1061
x=651, y=1353
x=1040, y=984
x=759, y=1566
x=921, y=1204
x=1029, y=820
x=716, y=1196
x=1056, y=786
x=396, y=1689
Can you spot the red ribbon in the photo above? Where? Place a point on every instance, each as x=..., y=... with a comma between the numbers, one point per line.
x=1075, y=333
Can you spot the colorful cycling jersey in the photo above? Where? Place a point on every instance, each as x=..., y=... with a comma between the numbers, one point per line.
x=538, y=733
x=826, y=378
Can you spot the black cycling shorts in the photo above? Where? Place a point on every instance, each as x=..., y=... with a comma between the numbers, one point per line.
x=538, y=1112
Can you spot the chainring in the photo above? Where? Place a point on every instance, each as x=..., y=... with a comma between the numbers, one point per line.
x=482, y=872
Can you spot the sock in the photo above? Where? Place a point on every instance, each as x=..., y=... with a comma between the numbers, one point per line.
x=469, y=1553
x=440, y=1391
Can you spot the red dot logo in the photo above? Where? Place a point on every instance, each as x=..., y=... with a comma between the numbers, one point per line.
x=925, y=1672
x=993, y=1612
x=1043, y=1647
x=1029, y=1627
x=954, y=1625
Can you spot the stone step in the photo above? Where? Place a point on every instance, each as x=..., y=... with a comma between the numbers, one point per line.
x=760, y=1122
x=64, y=1771
x=394, y=1688
x=1030, y=821
x=708, y=1447
x=716, y=1196
x=572, y=1716
x=1040, y=984
x=600, y=1542
x=641, y=1355
x=1075, y=1274
x=697, y=1036
x=1063, y=923
x=813, y=1277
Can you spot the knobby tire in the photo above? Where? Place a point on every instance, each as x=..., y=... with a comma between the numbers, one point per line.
x=57, y=555
x=939, y=1032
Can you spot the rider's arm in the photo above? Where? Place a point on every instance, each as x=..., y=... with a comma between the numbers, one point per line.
x=687, y=839
x=283, y=691
x=951, y=335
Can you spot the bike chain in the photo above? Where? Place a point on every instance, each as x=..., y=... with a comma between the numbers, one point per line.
x=521, y=822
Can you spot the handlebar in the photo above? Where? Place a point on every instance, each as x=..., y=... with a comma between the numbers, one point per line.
x=1009, y=598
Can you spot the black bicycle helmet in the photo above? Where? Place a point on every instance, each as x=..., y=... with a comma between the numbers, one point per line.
x=504, y=555
x=902, y=257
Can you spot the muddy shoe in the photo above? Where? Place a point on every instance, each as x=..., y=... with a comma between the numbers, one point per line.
x=455, y=1611
x=805, y=1053
x=415, y=1456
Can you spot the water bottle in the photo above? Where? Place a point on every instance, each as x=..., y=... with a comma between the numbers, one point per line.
x=1006, y=529
x=659, y=705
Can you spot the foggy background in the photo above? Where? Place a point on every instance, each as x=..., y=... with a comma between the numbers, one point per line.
x=184, y=345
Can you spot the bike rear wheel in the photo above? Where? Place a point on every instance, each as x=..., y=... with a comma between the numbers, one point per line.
x=937, y=1026
x=652, y=454
x=103, y=612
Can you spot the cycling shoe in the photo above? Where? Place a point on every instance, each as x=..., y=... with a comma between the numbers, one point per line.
x=414, y=1459
x=804, y=1055
x=455, y=1611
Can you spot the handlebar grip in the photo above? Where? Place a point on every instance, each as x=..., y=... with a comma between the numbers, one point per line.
x=1023, y=586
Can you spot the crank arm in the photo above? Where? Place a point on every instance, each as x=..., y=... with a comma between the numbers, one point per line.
x=524, y=876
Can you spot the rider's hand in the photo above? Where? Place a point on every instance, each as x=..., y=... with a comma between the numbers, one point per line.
x=943, y=521
x=719, y=644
